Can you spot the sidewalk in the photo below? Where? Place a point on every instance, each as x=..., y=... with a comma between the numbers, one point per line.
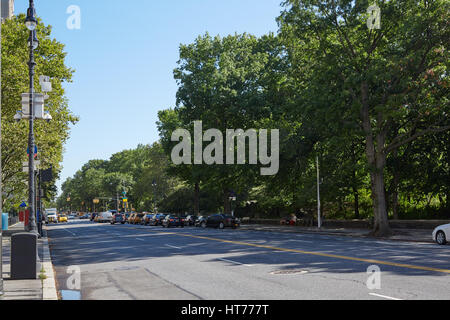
x=409, y=235
x=28, y=289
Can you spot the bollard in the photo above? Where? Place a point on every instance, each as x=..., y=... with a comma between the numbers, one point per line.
x=24, y=256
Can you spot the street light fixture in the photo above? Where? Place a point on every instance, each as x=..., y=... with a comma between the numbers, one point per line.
x=31, y=21
x=154, y=196
x=33, y=40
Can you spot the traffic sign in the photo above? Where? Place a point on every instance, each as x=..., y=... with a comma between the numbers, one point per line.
x=23, y=205
x=37, y=163
x=35, y=150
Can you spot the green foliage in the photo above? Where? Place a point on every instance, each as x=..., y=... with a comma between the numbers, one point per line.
x=50, y=137
x=372, y=105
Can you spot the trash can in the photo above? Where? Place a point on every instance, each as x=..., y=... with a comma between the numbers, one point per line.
x=4, y=221
x=24, y=257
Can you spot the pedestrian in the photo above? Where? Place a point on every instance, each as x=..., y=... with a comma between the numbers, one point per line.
x=293, y=221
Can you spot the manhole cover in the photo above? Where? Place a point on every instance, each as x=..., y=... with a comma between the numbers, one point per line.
x=289, y=272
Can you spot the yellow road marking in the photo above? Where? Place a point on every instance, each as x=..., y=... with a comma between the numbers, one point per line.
x=371, y=261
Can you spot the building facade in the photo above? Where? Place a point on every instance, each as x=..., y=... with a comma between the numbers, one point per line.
x=7, y=9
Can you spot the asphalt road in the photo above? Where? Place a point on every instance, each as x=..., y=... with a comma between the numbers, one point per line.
x=123, y=262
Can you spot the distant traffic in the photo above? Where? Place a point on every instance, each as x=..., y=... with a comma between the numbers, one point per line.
x=165, y=220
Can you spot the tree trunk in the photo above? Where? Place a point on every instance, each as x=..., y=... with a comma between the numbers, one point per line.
x=197, y=199
x=395, y=197
x=381, y=224
x=377, y=163
x=355, y=192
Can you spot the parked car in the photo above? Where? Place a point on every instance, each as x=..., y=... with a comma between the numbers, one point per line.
x=442, y=234
x=62, y=218
x=190, y=220
x=201, y=221
x=138, y=218
x=173, y=221
x=118, y=218
x=157, y=219
x=222, y=221
x=131, y=218
x=85, y=216
x=146, y=220
x=126, y=215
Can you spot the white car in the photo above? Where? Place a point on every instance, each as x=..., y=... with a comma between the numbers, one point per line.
x=105, y=216
x=442, y=234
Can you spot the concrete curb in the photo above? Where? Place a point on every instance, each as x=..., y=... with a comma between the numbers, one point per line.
x=328, y=233
x=49, y=291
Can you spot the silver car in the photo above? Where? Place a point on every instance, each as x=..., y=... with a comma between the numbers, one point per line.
x=442, y=234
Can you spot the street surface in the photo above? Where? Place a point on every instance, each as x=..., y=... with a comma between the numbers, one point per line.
x=123, y=262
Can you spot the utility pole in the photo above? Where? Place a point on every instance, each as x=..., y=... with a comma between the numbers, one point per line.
x=319, y=222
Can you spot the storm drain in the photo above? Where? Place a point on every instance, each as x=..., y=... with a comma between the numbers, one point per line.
x=289, y=272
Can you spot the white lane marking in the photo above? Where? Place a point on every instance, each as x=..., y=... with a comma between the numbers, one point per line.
x=69, y=232
x=139, y=239
x=173, y=247
x=231, y=261
x=385, y=297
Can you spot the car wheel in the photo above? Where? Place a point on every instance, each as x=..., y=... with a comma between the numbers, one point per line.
x=221, y=225
x=440, y=238
x=203, y=225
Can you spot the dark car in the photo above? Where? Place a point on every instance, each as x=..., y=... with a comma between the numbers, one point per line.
x=118, y=218
x=190, y=220
x=157, y=219
x=222, y=221
x=146, y=220
x=173, y=221
x=85, y=216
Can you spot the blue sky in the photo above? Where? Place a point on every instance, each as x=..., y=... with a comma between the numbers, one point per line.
x=124, y=56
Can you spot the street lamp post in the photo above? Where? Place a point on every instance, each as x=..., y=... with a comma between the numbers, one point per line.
x=70, y=204
x=31, y=23
x=319, y=220
x=154, y=196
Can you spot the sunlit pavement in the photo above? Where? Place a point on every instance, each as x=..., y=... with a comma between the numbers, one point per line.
x=137, y=262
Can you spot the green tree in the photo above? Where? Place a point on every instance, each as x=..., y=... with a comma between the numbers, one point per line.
x=50, y=137
x=390, y=82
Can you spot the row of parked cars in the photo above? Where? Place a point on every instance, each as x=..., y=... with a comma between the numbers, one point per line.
x=220, y=221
